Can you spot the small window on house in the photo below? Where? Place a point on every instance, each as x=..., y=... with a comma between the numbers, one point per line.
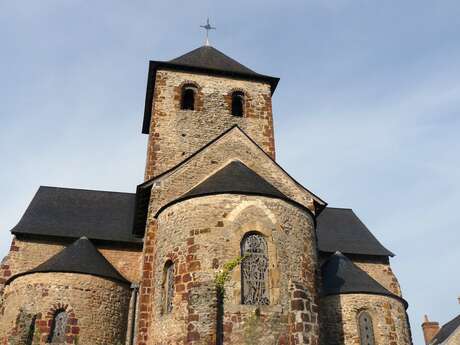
x=237, y=103
x=254, y=270
x=188, y=97
x=58, y=328
x=366, y=329
x=168, y=287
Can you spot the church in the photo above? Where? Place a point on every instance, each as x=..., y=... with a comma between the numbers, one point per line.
x=218, y=245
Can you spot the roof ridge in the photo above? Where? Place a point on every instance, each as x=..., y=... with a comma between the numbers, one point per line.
x=86, y=190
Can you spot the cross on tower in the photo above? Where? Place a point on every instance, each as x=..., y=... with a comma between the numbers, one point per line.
x=207, y=27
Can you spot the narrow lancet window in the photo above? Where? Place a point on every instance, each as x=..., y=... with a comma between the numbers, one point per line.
x=58, y=327
x=168, y=287
x=254, y=270
x=188, y=97
x=238, y=103
x=366, y=329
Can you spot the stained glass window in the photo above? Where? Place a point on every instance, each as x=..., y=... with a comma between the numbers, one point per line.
x=168, y=287
x=254, y=270
x=58, y=328
x=366, y=329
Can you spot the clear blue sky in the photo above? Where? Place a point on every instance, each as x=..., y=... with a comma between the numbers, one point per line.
x=367, y=112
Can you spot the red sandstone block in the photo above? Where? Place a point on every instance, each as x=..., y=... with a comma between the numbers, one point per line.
x=186, y=278
x=75, y=330
x=297, y=304
x=180, y=288
x=193, y=336
x=194, y=266
x=193, y=317
x=300, y=294
x=193, y=249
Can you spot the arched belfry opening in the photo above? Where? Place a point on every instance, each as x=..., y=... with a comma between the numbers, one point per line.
x=238, y=103
x=188, y=97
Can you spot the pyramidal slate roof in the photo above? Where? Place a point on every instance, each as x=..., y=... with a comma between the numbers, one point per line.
x=234, y=178
x=446, y=331
x=79, y=257
x=205, y=59
x=210, y=58
x=341, y=276
x=339, y=229
x=73, y=213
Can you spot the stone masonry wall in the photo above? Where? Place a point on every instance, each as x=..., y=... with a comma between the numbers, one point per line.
x=97, y=308
x=233, y=146
x=381, y=272
x=454, y=339
x=175, y=134
x=200, y=235
x=339, y=325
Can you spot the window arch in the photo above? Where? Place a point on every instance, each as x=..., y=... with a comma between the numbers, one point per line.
x=168, y=287
x=254, y=270
x=188, y=97
x=57, y=333
x=366, y=329
x=238, y=103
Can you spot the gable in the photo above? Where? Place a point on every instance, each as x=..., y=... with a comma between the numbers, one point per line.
x=233, y=145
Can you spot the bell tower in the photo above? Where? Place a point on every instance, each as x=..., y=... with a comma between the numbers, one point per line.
x=194, y=98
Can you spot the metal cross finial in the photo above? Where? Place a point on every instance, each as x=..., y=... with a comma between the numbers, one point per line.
x=207, y=27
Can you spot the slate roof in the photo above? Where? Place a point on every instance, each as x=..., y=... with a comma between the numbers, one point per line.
x=72, y=213
x=341, y=276
x=446, y=331
x=234, y=178
x=210, y=58
x=205, y=59
x=339, y=229
x=79, y=257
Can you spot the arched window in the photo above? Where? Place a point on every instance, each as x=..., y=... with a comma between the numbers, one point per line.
x=58, y=328
x=168, y=287
x=254, y=270
x=238, y=103
x=31, y=331
x=366, y=329
x=188, y=97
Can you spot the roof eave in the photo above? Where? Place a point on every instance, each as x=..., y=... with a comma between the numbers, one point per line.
x=155, y=65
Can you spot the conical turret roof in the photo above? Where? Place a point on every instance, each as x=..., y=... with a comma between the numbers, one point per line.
x=235, y=177
x=341, y=276
x=80, y=257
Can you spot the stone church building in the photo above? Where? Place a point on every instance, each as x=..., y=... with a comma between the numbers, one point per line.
x=218, y=245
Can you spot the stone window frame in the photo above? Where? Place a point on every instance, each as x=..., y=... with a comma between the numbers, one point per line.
x=45, y=323
x=267, y=277
x=198, y=96
x=372, y=318
x=229, y=101
x=167, y=287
